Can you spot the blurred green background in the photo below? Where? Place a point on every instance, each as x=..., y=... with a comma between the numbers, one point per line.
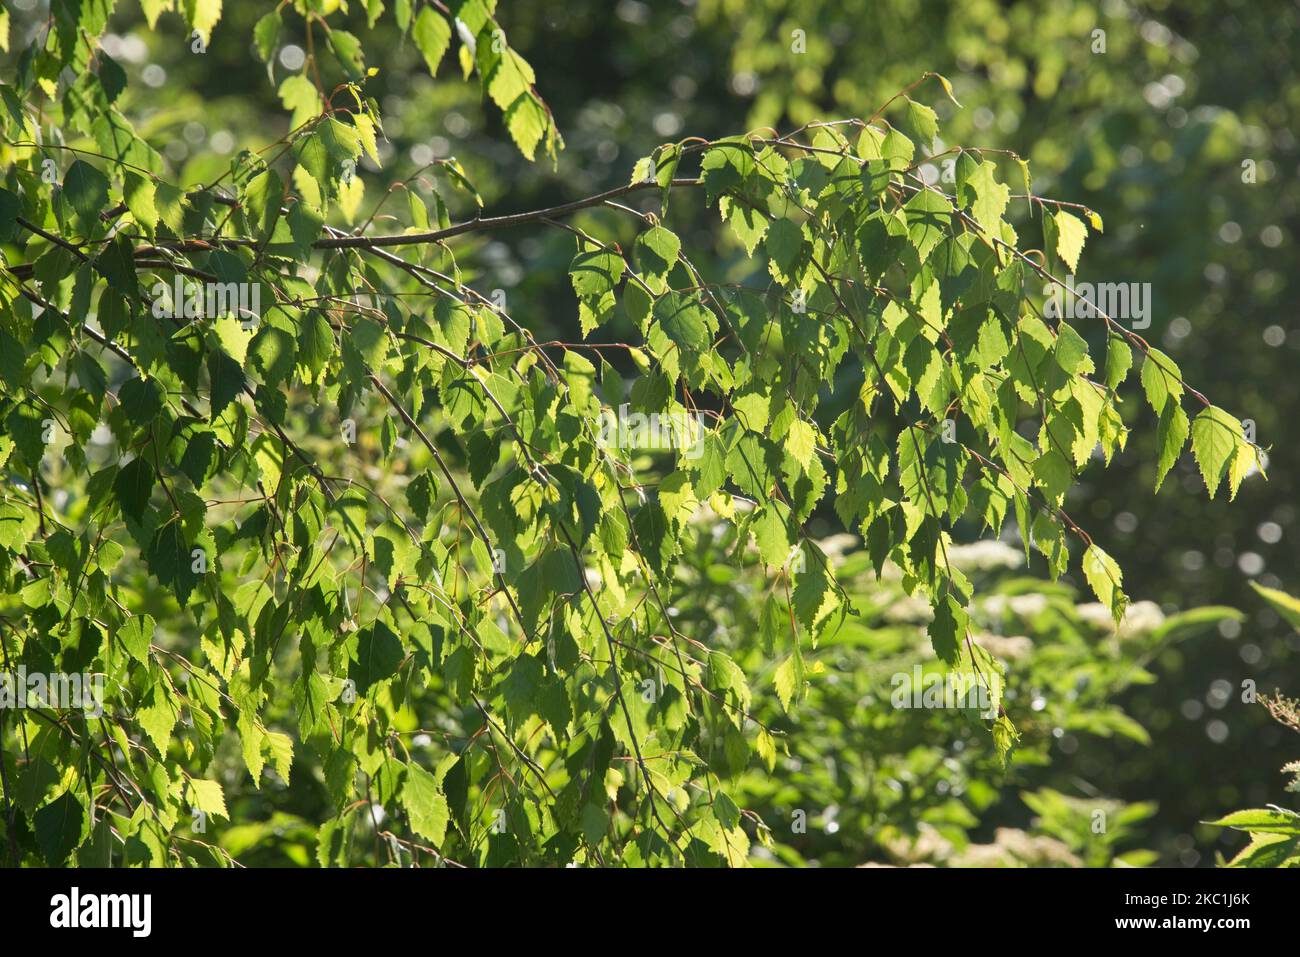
x=1177, y=124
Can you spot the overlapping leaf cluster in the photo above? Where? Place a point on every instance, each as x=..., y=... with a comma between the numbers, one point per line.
x=371, y=534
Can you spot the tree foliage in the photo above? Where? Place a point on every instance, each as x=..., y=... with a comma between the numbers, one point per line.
x=1274, y=831
x=315, y=506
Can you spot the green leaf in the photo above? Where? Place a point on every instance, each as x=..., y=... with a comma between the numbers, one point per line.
x=771, y=536
x=595, y=272
x=207, y=796
x=301, y=98
x=378, y=655
x=315, y=344
x=656, y=251
x=203, y=16
x=947, y=88
x=139, y=193
x=1244, y=461
x=1005, y=737
x=685, y=321
x=509, y=79
x=171, y=562
x=432, y=36
x=17, y=525
x=1105, y=579
x=1071, y=233
x=229, y=334
x=133, y=486
x=991, y=198
x=528, y=122
x=922, y=123
x=266, y=34
x=1285, y=605
x=274, y=354
x=784, y=244
x=85, y=189
x=1119, y=360
x=815, y=596
x=324, y=153
x=141, y=400
x=347, y=47
x=749, y=224
x=425, y=804
x=1261, y=819
x=801, y=442
x=394, y=554
x=263, y=199
x=1171, y=436
x=948, y=629
x=929, y=217
x=158, y=718
x=789, y=681
x=59, y=826
x=1053, y=474
x=654, y=535
x=1215, y=437
x=725, y=166
x=1071, y=351
x=227, y=378
x=1269, y=850
x=170, y=201
x=1161, y=380
x=136, y=636
x=521, y=687
x=10, y=209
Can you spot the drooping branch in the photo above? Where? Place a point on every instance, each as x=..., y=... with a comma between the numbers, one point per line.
x=481, y=224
